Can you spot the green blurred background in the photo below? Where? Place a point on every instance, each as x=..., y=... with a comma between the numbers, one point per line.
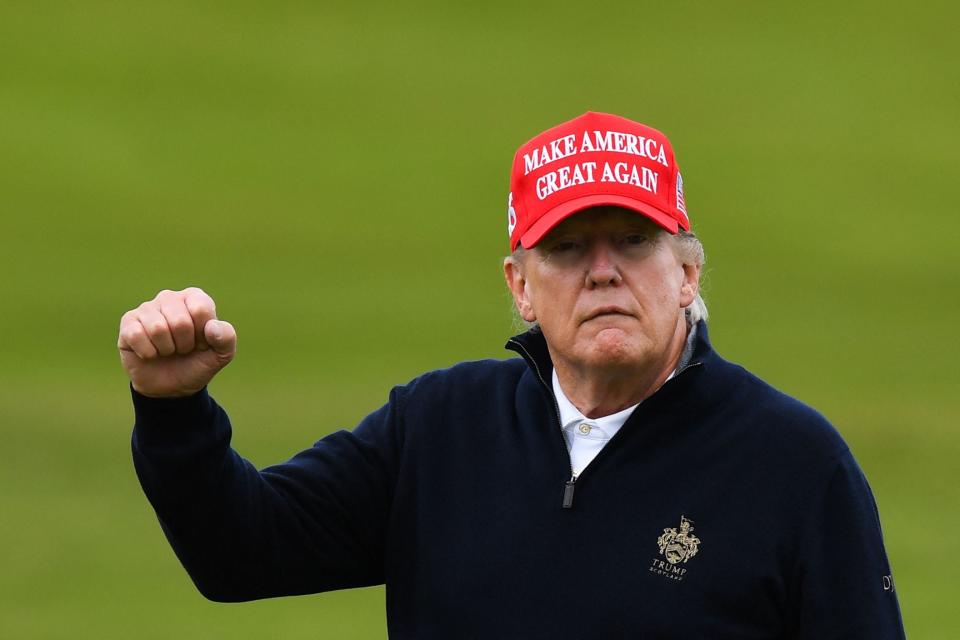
x=335, y=175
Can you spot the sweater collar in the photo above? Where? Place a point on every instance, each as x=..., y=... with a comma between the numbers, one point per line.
x=532, y=346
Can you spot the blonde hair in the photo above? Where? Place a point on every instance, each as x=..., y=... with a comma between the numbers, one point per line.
x=690, y=251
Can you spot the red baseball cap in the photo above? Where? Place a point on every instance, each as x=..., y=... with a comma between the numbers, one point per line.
x=593, y=160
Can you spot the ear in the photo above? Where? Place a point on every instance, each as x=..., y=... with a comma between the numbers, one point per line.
x=689, y=284
x=517, y=283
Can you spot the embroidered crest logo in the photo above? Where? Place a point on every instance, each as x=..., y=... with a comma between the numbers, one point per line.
x=679, y=546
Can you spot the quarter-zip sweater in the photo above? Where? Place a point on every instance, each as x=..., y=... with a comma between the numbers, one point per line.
x=721, y=509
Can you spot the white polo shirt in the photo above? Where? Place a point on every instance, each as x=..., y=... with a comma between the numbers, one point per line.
x=585, y=436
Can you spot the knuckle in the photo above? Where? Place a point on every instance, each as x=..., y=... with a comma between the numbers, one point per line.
x=201, y=306
x=157, y=328
x=182, y=326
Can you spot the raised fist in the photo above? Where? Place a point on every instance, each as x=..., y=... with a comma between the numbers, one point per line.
x=173, y=345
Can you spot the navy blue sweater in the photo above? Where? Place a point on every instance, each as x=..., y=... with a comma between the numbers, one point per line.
x=721, y=509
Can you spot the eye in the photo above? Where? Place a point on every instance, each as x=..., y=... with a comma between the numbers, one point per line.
x=634, y=239
x=565, y=246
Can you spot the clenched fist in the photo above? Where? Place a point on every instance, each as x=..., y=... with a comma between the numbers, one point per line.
x=173, y=345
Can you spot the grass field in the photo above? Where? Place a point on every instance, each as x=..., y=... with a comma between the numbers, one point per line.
x=335, y=175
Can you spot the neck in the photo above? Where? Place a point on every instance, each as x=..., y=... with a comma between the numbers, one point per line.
x=602, y=392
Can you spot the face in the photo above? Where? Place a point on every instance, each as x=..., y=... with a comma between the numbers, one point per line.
x=606, y=288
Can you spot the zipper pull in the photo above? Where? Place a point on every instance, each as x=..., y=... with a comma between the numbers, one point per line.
x=568, y=492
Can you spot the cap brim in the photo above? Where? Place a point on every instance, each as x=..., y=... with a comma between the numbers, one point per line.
x=563, y=211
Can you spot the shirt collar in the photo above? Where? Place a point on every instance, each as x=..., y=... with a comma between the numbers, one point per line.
x=571, y=416
x=702, y=385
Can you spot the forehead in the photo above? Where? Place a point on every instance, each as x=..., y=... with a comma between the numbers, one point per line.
x=603, y=219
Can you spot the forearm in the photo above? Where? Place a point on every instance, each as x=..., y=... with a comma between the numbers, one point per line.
x=242, y=534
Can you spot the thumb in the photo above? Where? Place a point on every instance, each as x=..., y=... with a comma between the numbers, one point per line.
x=221, y=336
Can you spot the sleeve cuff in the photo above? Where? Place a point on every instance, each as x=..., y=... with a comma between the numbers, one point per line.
x=169, y=417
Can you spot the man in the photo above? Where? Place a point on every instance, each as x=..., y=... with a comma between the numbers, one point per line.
x=620, y=480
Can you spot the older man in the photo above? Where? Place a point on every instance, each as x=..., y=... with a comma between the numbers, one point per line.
x=620, y=480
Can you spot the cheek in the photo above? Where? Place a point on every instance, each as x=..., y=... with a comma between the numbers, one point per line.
x=661, y=299
x=554, y=310
x=670, y=297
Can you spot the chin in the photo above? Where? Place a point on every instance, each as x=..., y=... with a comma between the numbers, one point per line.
x=615, y=348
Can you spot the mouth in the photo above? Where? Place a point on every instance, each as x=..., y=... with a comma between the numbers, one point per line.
x=603, y=312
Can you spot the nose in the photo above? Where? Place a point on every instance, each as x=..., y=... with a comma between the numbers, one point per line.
x=602, y=268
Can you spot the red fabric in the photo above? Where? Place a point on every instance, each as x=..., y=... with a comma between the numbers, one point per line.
x=595, y=159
